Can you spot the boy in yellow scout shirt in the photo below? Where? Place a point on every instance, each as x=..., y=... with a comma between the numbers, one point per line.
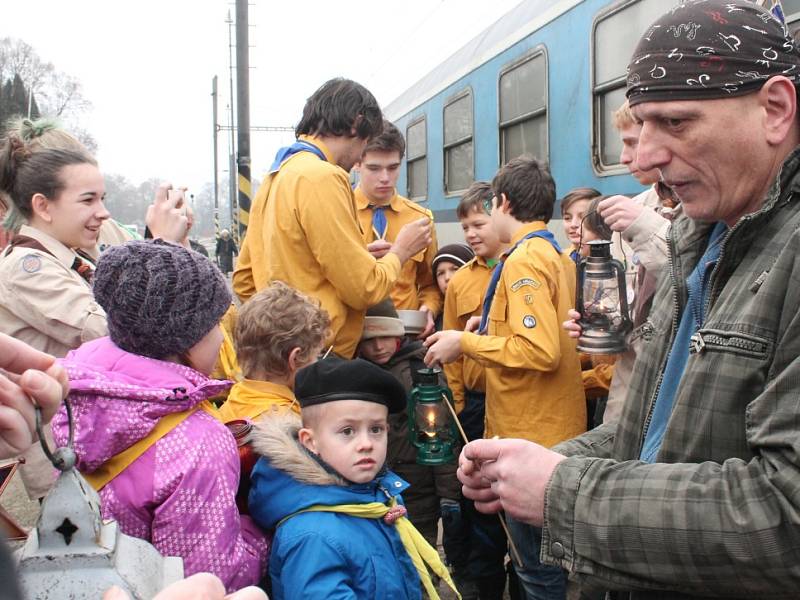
x=533, y=376
x=303, y=228
x=279, y=331
x=382, y=212
x=464, y=299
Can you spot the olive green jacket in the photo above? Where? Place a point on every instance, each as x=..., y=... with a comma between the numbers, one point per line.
x=719, y=514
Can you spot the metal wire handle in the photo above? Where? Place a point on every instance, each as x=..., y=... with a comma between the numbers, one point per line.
x=63, y=458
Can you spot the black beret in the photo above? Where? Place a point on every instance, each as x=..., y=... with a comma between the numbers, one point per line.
x=334, y=378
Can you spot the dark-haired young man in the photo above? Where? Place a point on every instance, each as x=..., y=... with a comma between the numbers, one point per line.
x=533, y=376
x=383, y=213
x=303, y=228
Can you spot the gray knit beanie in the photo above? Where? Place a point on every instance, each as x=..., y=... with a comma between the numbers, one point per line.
x=160, y=298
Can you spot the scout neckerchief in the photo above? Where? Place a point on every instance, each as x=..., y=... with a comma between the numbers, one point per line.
x=288, y=151
x=379, y=223
x=119, y=462
x=487, y=301
x=81, y=265
x=421, y=553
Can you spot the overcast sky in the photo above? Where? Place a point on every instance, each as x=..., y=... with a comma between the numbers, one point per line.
x=147, y=66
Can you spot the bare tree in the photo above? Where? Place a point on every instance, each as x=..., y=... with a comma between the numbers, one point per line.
x=57, y=93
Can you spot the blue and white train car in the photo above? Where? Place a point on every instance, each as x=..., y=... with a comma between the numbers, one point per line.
x=544, y=79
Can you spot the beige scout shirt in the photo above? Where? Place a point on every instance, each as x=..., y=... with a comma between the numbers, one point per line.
x=43, y=301
x=46, y=304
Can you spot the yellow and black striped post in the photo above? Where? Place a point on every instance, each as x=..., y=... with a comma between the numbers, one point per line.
x=243, y=114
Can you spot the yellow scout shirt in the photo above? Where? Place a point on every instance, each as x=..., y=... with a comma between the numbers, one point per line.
x=249, y=398
x=417, y=284
x=533, y=375
x=45, y=302
x=303, y=231
x=464, y=299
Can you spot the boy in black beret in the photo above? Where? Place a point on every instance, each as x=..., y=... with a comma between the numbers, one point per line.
x=340, y=526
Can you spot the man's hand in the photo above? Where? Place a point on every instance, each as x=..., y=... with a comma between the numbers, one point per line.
x=509, y=475
x=472, y=324
x=28, y=378
x=571, y=326
x=619, y=212
x=200, y=586
x=166, y=216
x=430, y=327
x=443, y=347
x=379, y=248
x=413, y=238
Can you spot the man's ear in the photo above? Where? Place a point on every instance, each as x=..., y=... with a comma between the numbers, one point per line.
x=40, y=206
x=504, y=204
x=306, y=437
x=779, y=100
x=356, y=123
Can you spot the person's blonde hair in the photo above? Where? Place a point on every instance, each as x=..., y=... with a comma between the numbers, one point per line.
x=623, y=117
x=272, y=323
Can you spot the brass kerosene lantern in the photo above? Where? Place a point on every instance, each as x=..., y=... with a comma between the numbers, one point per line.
x=602, y=301
x=431, y=428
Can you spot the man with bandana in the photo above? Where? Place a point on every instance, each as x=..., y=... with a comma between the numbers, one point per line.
x=695, y=491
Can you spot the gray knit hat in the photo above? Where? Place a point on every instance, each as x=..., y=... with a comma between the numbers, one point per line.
x=160, y=298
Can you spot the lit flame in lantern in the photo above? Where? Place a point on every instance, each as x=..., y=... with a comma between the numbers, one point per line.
x=430, y=430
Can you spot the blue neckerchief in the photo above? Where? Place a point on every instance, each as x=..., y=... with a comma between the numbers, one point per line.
x=288, y=151
x=498, y=269
x=575, y=255
x=379, y=223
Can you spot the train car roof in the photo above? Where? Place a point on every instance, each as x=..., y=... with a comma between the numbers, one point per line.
x=515, y=25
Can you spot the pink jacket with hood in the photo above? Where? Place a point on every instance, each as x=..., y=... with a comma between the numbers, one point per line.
x=179, y=494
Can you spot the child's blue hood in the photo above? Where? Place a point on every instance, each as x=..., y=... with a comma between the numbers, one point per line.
x=287, y=478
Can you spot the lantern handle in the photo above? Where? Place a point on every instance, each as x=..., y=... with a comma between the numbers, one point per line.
x=63, y=458
x=623, y=295
x=580, y=269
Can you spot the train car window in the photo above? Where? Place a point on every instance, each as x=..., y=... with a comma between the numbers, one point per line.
x=791, y=10
x=614, y=37
x=416, y=160
x=523, y=108
x=459, y=161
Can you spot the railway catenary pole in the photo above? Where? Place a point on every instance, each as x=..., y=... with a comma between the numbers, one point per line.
x=232, y=199
x=243, y=112
x=215, y=115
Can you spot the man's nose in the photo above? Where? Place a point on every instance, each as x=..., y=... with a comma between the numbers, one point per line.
x=651, y=153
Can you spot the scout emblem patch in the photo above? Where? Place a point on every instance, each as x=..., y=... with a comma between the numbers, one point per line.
x=31, y=263
x=527, y=281
x=529, y=321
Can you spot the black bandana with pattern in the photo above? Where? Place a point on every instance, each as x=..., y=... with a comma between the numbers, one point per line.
x=705, y=49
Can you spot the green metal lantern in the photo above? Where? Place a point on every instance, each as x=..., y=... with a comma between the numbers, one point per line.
x=432, y=430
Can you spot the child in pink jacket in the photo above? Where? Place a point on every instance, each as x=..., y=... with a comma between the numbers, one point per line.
x=164, y=303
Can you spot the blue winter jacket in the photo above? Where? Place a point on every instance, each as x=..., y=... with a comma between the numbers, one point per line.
x=322, y=554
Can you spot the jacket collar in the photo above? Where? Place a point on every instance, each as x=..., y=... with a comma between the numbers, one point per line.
x=312, y=139
x=362, y=202
x=525, y=229
x=63, y=254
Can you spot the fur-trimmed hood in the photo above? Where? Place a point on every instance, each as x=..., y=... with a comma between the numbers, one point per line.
x=287, y=478
x=275, y=437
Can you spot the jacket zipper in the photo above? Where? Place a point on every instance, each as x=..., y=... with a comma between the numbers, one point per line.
x=741, y=342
